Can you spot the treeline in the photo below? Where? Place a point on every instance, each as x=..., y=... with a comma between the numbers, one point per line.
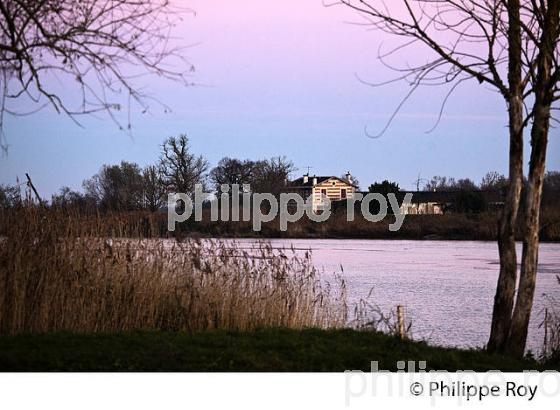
x=468, y=196
x=491, y=181
x=129, y=187
x=472, y=197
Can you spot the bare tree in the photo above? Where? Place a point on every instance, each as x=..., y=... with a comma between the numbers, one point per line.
x=154, y=189
x=511, y=46
x=493, y=180
x=100, y=47
x=116, y=187
x=68, y=199
x=231, y=171
x=271, y=175
x=180, y=169
x=439, y=183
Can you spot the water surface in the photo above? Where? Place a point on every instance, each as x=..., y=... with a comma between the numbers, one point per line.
x=447, y=287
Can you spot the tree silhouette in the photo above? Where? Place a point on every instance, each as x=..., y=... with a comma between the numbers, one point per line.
x=99, y=48
x=511, y=46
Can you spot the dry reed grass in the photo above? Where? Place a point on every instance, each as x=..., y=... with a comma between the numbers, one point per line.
x=551, y=325
x=59, y=273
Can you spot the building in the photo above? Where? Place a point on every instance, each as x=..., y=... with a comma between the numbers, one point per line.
x=423, y=202
x=320, y=187
x=440, y=202
x=426, y=202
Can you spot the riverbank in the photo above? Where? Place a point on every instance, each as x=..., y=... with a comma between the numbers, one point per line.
x=262, y=350
x=474, y=227
x=74, y=298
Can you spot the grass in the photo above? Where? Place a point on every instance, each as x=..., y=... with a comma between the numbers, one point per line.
x=551, y=324
x=261, y=350
x=60, y=274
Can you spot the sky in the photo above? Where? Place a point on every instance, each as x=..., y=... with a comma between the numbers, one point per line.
x=279, y=78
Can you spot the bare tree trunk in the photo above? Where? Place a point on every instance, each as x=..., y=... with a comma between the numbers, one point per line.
x=524, y=303
x=505, y=290
x=544, y=86
x=545, y=83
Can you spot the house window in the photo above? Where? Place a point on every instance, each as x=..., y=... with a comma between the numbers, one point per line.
x=343, y=193
x=323, y=192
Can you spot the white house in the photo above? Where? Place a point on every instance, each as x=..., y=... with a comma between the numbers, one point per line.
x=320, y=187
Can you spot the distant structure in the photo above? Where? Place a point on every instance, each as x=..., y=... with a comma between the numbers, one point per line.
x=440, y=202
x=318, y=187
x=423, y=202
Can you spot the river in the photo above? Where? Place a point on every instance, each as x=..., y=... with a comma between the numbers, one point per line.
x=446, y=287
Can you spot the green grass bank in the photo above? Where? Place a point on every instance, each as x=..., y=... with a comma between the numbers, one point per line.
x=263, y=350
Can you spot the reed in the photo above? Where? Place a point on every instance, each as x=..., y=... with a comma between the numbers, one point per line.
x=61, y=272
x=551, y=326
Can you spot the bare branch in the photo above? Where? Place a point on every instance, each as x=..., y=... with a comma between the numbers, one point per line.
x=99, y=47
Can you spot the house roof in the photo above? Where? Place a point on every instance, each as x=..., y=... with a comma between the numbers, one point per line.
x=298, y=183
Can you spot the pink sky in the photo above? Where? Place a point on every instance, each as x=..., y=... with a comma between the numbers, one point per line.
x=278, y=78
